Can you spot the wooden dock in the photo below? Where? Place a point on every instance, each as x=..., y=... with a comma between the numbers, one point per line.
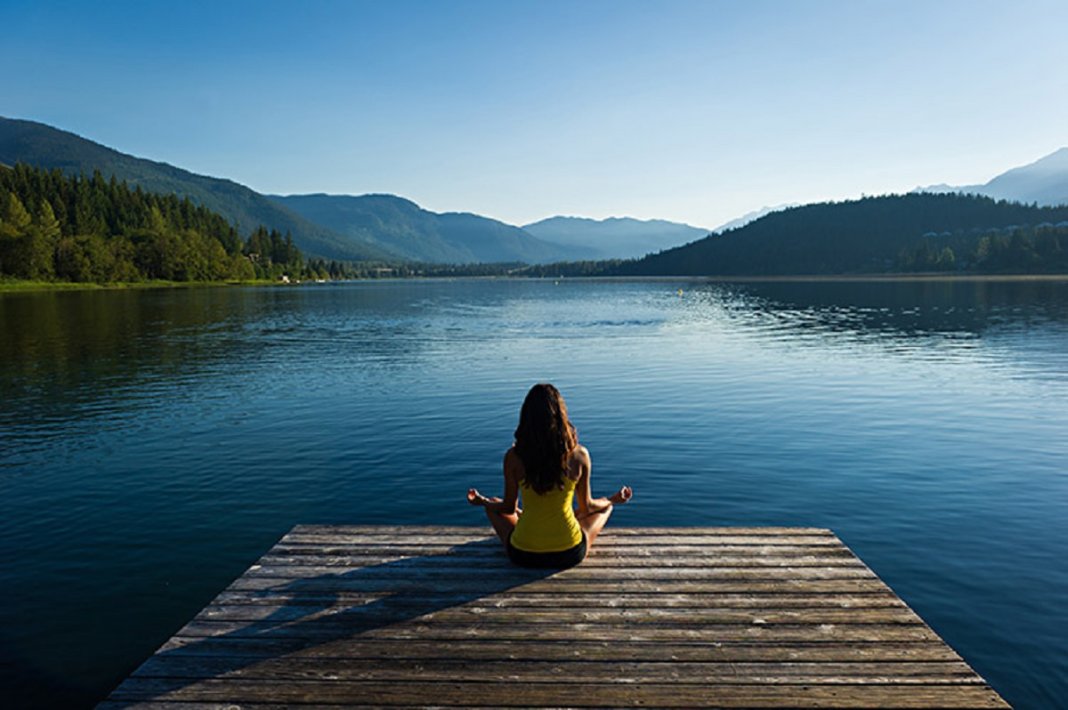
x=341, y=616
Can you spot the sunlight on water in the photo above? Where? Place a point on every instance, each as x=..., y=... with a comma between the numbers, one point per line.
x=153, y=444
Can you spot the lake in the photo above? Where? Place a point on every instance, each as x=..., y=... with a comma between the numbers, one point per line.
x=154, y=443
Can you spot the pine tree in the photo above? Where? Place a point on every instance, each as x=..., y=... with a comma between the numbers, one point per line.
x=43, y=237
x=15, y=223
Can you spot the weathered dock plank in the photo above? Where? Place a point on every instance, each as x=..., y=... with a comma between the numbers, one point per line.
x=344, y=616
x=491, y=649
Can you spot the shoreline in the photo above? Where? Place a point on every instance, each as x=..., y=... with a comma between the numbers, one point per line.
x=18, y=286
x=843, y=278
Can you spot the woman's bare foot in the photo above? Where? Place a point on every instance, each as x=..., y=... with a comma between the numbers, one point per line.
x=476, y=498
x=622, y=496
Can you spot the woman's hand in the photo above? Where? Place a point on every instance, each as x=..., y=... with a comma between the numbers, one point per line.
x=622, y=496
x=476, y=498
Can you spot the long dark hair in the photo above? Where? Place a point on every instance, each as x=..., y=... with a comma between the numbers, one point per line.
x=544, y=438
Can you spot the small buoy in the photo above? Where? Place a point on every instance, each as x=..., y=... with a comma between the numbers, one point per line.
x=680, y=292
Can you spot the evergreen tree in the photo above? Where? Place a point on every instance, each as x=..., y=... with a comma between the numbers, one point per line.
x=42, y=239
x=14, y=235
x=92, y=229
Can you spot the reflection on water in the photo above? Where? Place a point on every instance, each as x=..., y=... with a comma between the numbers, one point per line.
x=154, y=443
x=893, y=313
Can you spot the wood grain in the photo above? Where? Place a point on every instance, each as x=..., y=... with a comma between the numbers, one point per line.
x=349, y=616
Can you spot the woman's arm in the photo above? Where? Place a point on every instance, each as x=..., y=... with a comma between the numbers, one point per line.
x=509, y=505
x=583, y=493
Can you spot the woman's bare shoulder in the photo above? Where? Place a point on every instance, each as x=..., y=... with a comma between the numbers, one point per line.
x=579, y=461
x=511, y=458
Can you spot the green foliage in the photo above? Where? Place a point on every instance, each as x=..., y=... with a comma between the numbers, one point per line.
x=87, y=229
x=15, y=223
x=1042, y=249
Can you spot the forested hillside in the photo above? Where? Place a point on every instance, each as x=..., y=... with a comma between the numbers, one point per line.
x=82, y=229
x=895, y=233
x=46, y=147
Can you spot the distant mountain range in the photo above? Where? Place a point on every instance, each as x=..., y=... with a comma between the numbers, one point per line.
x=366, y=227
x=1044, y=181
x=404, y=228
x=615, y=237
x=387, y=227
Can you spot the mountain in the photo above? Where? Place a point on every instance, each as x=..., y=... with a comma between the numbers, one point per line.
x=615, y=237
x=942, y=188
x=751, y=216
x=1044, y=181
x=406, y=229
x=369, y=227
x=872, y=235
x=44, y=146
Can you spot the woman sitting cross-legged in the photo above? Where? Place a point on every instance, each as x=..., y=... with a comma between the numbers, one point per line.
x=552, y=471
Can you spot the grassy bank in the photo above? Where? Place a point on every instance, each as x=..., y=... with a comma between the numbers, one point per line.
x=19, y=285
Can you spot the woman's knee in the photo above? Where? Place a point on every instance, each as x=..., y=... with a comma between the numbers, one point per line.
x=602, y=513
x=593, y=524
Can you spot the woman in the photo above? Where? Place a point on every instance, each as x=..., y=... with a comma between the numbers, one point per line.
x=551, y=469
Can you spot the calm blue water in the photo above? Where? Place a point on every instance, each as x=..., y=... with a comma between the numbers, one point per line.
x=154, y=443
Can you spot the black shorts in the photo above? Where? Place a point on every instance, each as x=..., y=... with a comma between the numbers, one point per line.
x=548, y=560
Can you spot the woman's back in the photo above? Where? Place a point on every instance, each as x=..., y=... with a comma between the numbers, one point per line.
x=548, y=522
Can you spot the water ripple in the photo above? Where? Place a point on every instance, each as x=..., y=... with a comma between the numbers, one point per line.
x=172, y=441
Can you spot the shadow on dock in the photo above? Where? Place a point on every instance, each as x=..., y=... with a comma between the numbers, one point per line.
x=318, y=611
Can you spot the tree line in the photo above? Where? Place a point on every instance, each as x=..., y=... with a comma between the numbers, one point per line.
x=1037, y=249
x=55, y=227
x=886, y=234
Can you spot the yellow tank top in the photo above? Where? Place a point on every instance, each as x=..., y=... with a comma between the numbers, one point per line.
x=548, y=522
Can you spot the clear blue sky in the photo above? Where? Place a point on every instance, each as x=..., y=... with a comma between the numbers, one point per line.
x=690, y=111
